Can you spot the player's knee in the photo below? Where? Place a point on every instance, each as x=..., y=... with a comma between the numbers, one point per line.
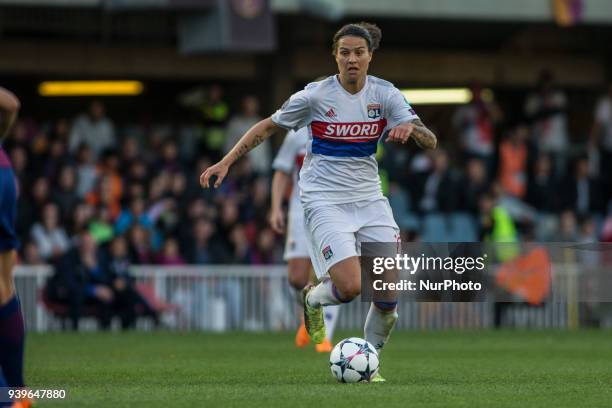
x=297, y=281
x=299, y=274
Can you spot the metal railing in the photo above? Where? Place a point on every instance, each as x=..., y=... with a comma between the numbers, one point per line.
x=259, y=298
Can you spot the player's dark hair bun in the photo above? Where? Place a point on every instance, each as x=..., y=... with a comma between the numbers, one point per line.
x=375, y=33
x=368, y=31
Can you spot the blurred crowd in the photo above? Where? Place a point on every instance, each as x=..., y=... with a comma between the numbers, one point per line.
x=140, y=183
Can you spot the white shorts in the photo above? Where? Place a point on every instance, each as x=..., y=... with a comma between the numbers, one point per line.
x=335, y=231
x=295, y=245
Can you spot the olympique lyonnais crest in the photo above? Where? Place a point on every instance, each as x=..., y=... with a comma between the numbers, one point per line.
x=327, y=252
x=374, y=110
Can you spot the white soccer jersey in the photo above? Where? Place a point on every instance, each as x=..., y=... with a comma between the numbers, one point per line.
x=289, y=160
x=340, y=165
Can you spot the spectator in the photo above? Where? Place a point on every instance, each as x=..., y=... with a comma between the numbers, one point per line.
x=80, y=280
x=130, y=153
x=101, y=226
x=140, y=246
x=513, y=162
x=64, y=194
x=214, y=113
x=93, y=129
x=21, y=164
x=475, y=122
x=201, y=249
x=602, y=135
x=568, y=229
x=31, y=208
x=82, y=216
x=169, y=160
x=496, y=224
x=263, y=253
x=135, y=214
x=546, y=109
x=31, y=255
x=260, y=158
x=438, y=187
x=87, y=173
x=543, y=188
x=50, y=238
x=170, y=255
x=56, y=159
x=474, y=185
x=582, y=192
x=128, y=302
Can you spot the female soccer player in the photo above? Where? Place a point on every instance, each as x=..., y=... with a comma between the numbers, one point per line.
x=287, y=165
x=11, y=320
x=340, y=189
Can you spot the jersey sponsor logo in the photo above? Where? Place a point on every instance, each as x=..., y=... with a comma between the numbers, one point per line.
x=348, y=132
x=374, y=110
x=327, y=252
x=331, y=113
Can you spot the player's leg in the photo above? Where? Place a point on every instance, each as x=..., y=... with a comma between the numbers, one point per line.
x=330, y=317
x=299, y=276
x=298, y=258
x=12, y=329
x=331, y=243
x=379, y=226
x=298, y=266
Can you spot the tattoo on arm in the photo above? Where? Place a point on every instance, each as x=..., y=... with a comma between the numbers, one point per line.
x=423, y=137
x=246, y=147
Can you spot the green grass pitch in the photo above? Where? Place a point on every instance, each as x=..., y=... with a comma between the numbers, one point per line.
x=423, y=369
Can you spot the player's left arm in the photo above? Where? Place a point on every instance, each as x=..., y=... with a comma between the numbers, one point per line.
x=423, y=137
x=9, y=107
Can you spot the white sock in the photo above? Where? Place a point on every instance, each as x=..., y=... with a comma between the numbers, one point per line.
x=330, y=314
x=323, y=295
x=378, y=326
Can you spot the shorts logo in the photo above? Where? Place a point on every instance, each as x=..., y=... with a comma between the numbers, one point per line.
x=327, y=252
x=374, y=110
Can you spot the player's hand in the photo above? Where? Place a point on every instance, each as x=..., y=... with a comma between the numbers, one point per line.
x=401, y=133
x=219, y=170
x=277, y=221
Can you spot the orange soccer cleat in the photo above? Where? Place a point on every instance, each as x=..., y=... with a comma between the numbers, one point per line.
x=325, y=347
x=23, y=403
x=301, y=337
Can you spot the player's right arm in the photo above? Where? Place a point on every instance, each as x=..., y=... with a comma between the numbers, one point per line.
x=251, y=139
x=9, y=107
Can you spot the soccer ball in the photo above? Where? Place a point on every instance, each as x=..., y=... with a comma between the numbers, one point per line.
x=353, y=360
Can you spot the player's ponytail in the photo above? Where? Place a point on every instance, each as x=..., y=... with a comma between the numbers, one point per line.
x=368, y=31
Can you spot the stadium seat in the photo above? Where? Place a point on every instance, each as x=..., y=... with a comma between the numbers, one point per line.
x=60, y=310
x=434, y=228
x=462, y=228
x=400, y=204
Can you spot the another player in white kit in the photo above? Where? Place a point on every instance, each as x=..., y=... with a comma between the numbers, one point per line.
x=287, y=165
x=346, y=115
